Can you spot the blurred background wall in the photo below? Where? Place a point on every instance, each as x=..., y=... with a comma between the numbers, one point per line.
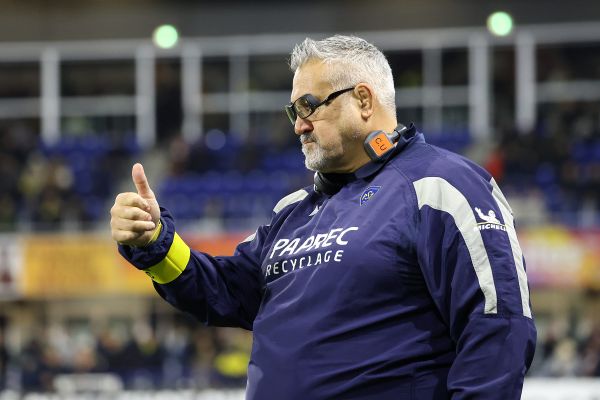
x=88, y=88
x=35, y=20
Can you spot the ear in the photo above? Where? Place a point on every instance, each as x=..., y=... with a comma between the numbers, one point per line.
x=364, y=92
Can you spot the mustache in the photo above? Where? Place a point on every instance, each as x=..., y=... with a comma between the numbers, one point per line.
x=307, y=137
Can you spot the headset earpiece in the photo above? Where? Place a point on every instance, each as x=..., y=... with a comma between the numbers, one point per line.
x=378, y=143
x=326, y=186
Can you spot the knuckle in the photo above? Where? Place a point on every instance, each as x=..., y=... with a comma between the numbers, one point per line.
x=126, y=197
x=141, y=225
x=125, y=214
x=134, y=214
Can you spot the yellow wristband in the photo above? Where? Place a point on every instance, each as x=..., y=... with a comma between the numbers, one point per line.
x=173, y=264
x=156, y=233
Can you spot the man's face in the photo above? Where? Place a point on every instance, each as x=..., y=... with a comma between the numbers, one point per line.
x=330, y=137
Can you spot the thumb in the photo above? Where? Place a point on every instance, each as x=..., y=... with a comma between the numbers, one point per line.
x=141, y=182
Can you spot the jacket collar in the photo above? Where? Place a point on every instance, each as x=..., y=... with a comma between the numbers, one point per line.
x=409, y=136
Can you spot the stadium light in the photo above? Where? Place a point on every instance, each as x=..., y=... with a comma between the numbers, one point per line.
x=165, y=36
x=500, y=23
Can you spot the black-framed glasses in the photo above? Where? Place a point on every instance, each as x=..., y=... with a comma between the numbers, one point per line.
x=305, y=106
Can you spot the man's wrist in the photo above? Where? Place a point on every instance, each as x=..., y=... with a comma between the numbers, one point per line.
x=156, y=233
x=153, y=248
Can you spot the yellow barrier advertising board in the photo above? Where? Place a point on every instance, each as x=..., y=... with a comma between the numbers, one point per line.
x=562, y=258
x=90, y=265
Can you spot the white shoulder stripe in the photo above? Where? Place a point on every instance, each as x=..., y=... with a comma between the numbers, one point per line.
x=437, y=193
x=290, y=199
x=281, y=204
x=249, y=238
x=507, y=216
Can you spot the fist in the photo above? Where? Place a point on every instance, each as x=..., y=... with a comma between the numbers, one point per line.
x=135, y=216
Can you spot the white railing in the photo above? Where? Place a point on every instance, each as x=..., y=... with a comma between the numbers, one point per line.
x=240, y=101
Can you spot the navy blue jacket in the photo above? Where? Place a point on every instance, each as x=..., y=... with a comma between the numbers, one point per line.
x=409, y=283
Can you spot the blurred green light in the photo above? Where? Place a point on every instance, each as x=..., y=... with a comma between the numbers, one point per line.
x=500, y=23
x=165, y=36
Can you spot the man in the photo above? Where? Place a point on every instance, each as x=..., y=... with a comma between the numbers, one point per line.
x=381, y=281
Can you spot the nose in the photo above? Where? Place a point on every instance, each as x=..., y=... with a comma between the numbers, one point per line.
x=302, y=126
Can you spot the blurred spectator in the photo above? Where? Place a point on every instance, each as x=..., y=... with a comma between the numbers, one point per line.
x=495, y=164
x=564, y=360
x=31, y=366
x=591, y=353
x=3, y=356
x=185, y=355
x=204, y=355
x=231, y=363
x=178, y=357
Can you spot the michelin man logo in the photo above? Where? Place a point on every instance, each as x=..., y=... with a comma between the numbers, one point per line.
x=490, y=217
x=490, y=221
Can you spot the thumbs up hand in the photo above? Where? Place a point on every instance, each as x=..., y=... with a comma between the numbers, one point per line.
x=135, y=216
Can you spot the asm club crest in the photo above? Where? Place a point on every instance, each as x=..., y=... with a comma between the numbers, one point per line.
x=368, y=193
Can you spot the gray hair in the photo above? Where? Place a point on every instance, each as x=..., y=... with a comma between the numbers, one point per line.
x=355, y=60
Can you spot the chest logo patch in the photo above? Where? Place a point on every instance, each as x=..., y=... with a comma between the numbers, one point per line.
x=368, y=194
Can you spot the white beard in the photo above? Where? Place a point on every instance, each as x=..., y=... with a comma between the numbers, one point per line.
x=314, y=158
x=317, y=158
